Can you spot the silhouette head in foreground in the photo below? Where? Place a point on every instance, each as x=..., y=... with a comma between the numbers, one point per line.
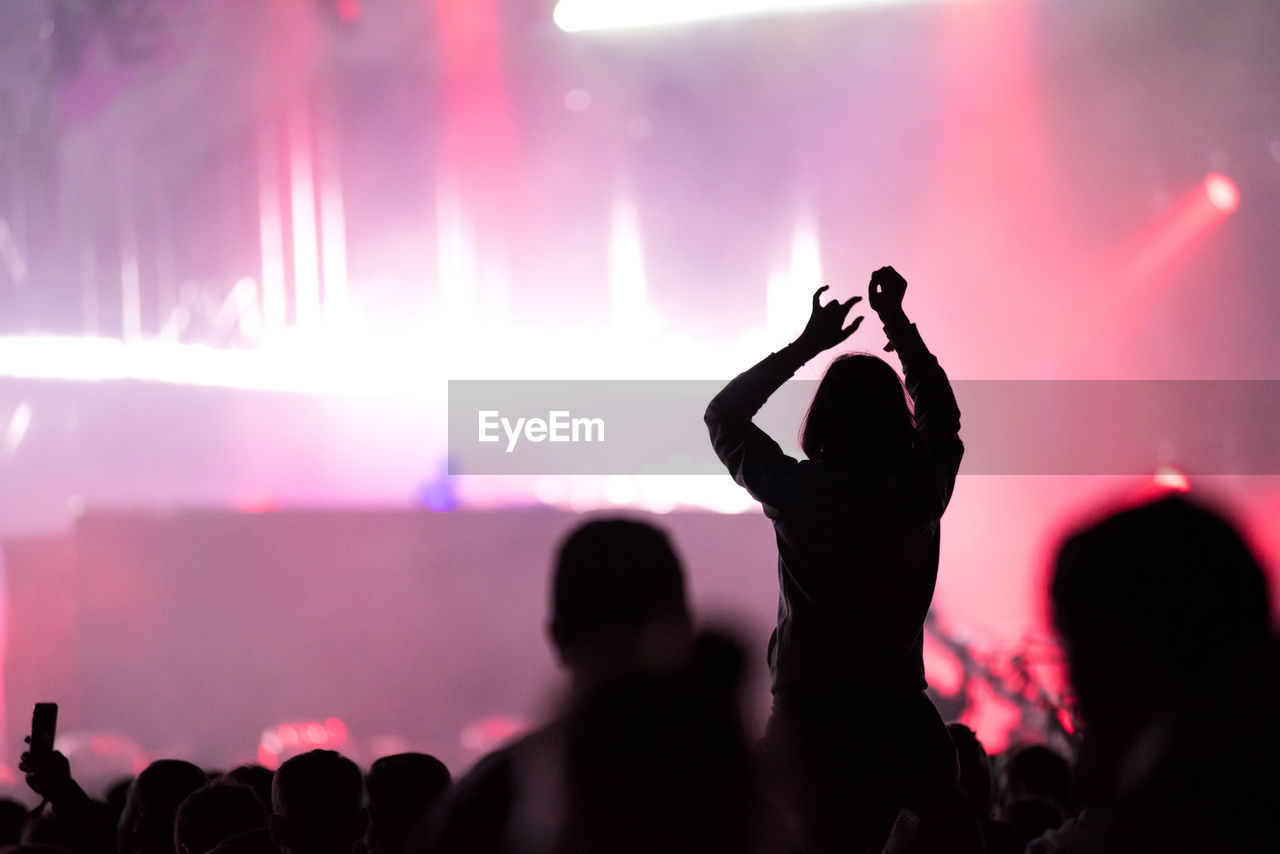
x=215, y=813
x=257, y=778
x=400, y=788
x=1163, y=612
x=1152, y=603
x=617, y=598
x=617, y=607
x=1034, y=771
x=317, y=804
x=151, y=806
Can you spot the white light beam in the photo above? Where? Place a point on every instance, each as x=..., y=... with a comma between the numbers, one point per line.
x=578, y=15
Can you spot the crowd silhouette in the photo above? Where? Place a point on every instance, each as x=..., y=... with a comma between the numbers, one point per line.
x=1162, y=609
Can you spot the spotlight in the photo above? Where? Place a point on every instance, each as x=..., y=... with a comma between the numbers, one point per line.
x=1168, y=478
x=1175, y=235
x=1222, y=192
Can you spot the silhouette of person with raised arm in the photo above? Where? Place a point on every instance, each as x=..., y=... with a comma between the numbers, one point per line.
x=857, y=527
x=146, y=823
x=77, y=822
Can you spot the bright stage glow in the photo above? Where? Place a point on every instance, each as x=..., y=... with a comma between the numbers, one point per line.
x=1222, y=192
x=577, y=15
x=19, y=421
x=1169, y=478
x=365, y=364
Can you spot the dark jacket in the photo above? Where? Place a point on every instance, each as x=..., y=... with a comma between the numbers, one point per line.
x=857, y=552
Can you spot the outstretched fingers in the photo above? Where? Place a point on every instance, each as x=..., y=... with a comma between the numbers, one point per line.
x=817, y=302
x=852, y=327
x=841, y=309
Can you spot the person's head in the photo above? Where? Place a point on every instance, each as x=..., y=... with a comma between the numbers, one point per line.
x=975, y=766
x=1032, y=818
x=116, y=796
x=48, y=832
x=146, y=825
x=214, y=813
x=1037, y=772
x=257, y=778
x=1152, y=604
x=37, y=848
x=617, y=594
x=859, y=414
x=401, y=788
x=12, y=815
x=316, y=800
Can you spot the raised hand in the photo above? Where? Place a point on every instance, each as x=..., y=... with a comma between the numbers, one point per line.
x=826, y=328
x=48, y=772
x=886, y=291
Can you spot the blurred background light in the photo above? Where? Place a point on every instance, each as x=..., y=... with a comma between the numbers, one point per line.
x=579, y=15
x=1222, y=192
x=1169, y=478
x=490, y=733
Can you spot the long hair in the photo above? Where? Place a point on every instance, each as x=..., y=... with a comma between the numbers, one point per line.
x=860, y=416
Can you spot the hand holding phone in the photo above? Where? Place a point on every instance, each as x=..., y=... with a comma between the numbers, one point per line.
x=48, y=771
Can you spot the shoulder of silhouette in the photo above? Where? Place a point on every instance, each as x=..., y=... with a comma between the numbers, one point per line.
x=473, y=816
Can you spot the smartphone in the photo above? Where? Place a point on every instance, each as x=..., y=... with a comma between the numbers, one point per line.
x=44, y=723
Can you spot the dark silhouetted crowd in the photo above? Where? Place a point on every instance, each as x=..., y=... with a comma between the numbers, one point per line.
x=1162, y=610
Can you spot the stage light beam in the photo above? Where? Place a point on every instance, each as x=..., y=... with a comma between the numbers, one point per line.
x=574, y=16
x=1222, y=192
x=1170, y=240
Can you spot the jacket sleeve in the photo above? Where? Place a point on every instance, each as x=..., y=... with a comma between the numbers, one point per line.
x=936, y=411
x=755, y=460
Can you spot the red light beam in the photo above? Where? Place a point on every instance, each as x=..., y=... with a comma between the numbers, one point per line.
x=1168, y=242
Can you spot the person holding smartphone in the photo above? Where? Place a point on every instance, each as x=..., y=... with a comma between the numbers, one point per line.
x=86, y=822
